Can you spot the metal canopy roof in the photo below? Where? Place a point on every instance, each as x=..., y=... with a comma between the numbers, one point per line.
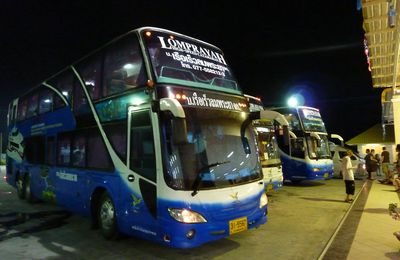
x=374, y=135
x=382, y=26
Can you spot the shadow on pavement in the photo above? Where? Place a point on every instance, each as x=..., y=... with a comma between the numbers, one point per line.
x=304, y=183
x=376, y=210
x=321, y=199
x=17, y=223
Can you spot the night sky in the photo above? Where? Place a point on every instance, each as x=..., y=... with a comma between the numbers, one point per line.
x=276, y=49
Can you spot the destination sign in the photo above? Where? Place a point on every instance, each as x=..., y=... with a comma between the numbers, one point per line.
x=205, y=99
x=312, y=121
x=177, y=57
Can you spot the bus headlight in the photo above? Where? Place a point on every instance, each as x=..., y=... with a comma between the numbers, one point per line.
x=315, y=169
x=263, y=200
x=186, y=216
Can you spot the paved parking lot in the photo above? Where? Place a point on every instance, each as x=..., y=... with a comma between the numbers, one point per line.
x=302, y=218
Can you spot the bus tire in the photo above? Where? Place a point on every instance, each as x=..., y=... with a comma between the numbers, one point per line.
x=107, y=220
x=19, y=184
x=27, y=189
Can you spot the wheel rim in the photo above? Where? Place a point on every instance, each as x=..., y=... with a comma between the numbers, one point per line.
x=107, y=214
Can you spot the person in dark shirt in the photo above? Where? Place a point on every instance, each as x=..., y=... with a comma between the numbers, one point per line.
x=370, y=163
x=385, y=160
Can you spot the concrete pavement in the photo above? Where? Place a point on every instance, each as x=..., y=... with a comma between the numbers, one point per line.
x=366, y=232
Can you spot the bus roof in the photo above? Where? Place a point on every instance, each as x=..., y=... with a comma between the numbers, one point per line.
x=137, y=30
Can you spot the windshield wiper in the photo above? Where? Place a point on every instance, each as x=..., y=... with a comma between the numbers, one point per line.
x=199, y=175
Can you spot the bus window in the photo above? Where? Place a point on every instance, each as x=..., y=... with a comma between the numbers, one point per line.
x=32, y=106
x=22, y=106
x=90, y=71
x=34, y=149
x=78, y=158
x=50, y=152
x=81, y=105
x=297, y=146
x=63, y=83
x=123, y=67
x=142, y=157
x=57, y=102
x=117, y=135
x=45, y=101
x=97, y=154
x=63, y=150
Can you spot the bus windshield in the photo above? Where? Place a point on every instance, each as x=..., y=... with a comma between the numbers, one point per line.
x=318, y=152
x=268, y=146
x=182, y=60
x=214, y=152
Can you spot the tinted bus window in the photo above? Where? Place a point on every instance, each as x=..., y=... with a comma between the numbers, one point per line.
x=81, y=105
x=123, y=67
x=50, y=151
x=117, y=134
x=79, y=151
x=64, y=150
x=45, y=101
x=22, y=106
x=34, y=149
x=32, y=106
x=97, y=154
x=63, y=83
x=90, y=72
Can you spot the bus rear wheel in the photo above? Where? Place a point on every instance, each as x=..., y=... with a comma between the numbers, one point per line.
x=107, y=218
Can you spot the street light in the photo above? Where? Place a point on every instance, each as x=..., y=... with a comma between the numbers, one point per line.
x=295, y=100
x=292, y=102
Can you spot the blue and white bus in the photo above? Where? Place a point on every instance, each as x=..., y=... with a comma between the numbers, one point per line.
x=149, y=136
x=307, y=156
x=266, y=130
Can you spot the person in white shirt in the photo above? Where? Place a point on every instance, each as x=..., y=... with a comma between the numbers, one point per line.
x=348, y=176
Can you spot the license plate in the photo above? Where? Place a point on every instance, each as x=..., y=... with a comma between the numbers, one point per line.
x=237, y=225
x=326, y=175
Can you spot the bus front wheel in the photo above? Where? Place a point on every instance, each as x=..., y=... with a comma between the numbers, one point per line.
x=107, y=218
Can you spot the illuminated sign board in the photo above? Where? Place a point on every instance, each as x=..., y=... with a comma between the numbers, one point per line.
x=312, y=121
x=182, y=60
x=204, y=99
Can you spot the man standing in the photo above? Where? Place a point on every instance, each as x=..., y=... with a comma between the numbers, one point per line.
x=385, y=163
x=348, y=176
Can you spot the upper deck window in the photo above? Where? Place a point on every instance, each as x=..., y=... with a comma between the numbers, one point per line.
x=123, y=67
x=180, y=60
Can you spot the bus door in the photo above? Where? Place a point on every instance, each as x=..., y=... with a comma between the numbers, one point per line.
x=295, y=164
x=142, y=161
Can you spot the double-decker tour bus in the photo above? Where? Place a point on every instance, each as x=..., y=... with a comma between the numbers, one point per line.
x=148, y=136
x=307, y=156
x=267, y=131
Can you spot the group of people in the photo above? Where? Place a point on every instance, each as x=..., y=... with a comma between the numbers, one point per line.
x=373, y=163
